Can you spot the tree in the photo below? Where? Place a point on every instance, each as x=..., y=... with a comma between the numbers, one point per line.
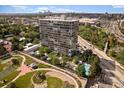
x=65, y=58
x=94, y=62
x=41, y=76
x=120, y=57
x=80, y=70
x=47, y=50
x=26, y=35
x=54, y=58
x=15, y=43
x=112, y=41
x=15, y=61
x=76, y=59
x=2, y=50
x=91, y=59
x=21, y=46
x=32, y=35
x=43, y=50
x=15, y=29
x=86, y=55
x=1, y=35
x=35, y=41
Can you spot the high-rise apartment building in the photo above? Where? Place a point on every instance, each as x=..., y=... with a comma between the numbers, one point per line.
x=59, y=35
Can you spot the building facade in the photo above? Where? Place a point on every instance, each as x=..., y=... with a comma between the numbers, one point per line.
x=59, y=35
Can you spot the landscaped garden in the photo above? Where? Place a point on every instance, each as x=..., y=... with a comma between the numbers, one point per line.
x=74, y=63
x=8, y=69
x=5, y=63
x=38, y=78
x=42, y=79
x=24, y=81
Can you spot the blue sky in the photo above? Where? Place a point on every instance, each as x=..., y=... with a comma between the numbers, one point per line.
x=61, y=8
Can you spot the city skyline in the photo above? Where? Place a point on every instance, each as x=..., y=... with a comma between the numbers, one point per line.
x=61, y=8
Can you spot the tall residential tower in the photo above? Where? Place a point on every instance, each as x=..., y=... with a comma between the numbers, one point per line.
x=59, y=35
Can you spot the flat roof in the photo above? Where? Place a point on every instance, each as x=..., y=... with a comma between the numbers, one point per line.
x=88, y=20
x=66, y=20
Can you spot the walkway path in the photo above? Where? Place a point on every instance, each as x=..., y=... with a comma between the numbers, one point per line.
x=63, y=76
x=23, y=61
x=25, y=69
x=82, y=80
x=59, y=72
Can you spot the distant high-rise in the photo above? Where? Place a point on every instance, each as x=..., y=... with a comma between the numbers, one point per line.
x=59, y=35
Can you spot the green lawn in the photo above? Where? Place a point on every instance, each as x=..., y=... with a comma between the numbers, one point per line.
x=9, y=78
x=24, y=81
x=43, y=66
x=6, y=63
x=30, y=60
x=2, y=67
x=54, y=82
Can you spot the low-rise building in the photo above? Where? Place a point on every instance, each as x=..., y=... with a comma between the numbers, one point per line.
x=88, y=21
x=31, y=48
x=8, y=46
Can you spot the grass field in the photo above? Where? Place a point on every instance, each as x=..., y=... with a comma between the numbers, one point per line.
x=24, y=81
x=6, y=63
x=9, y=78
x=30, y=60
x=2, y=67
x=54, y=82
x=43, y=66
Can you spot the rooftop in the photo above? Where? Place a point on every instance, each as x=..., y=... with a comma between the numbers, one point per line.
x=89, y=20
x=59, y=19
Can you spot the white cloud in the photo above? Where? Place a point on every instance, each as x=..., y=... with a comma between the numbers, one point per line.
x=41, y=9
x=19, y=6
x=53, y=9
x=63, y=10
x=118, y=6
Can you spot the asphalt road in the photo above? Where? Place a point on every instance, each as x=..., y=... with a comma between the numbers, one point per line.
x=111, y=66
